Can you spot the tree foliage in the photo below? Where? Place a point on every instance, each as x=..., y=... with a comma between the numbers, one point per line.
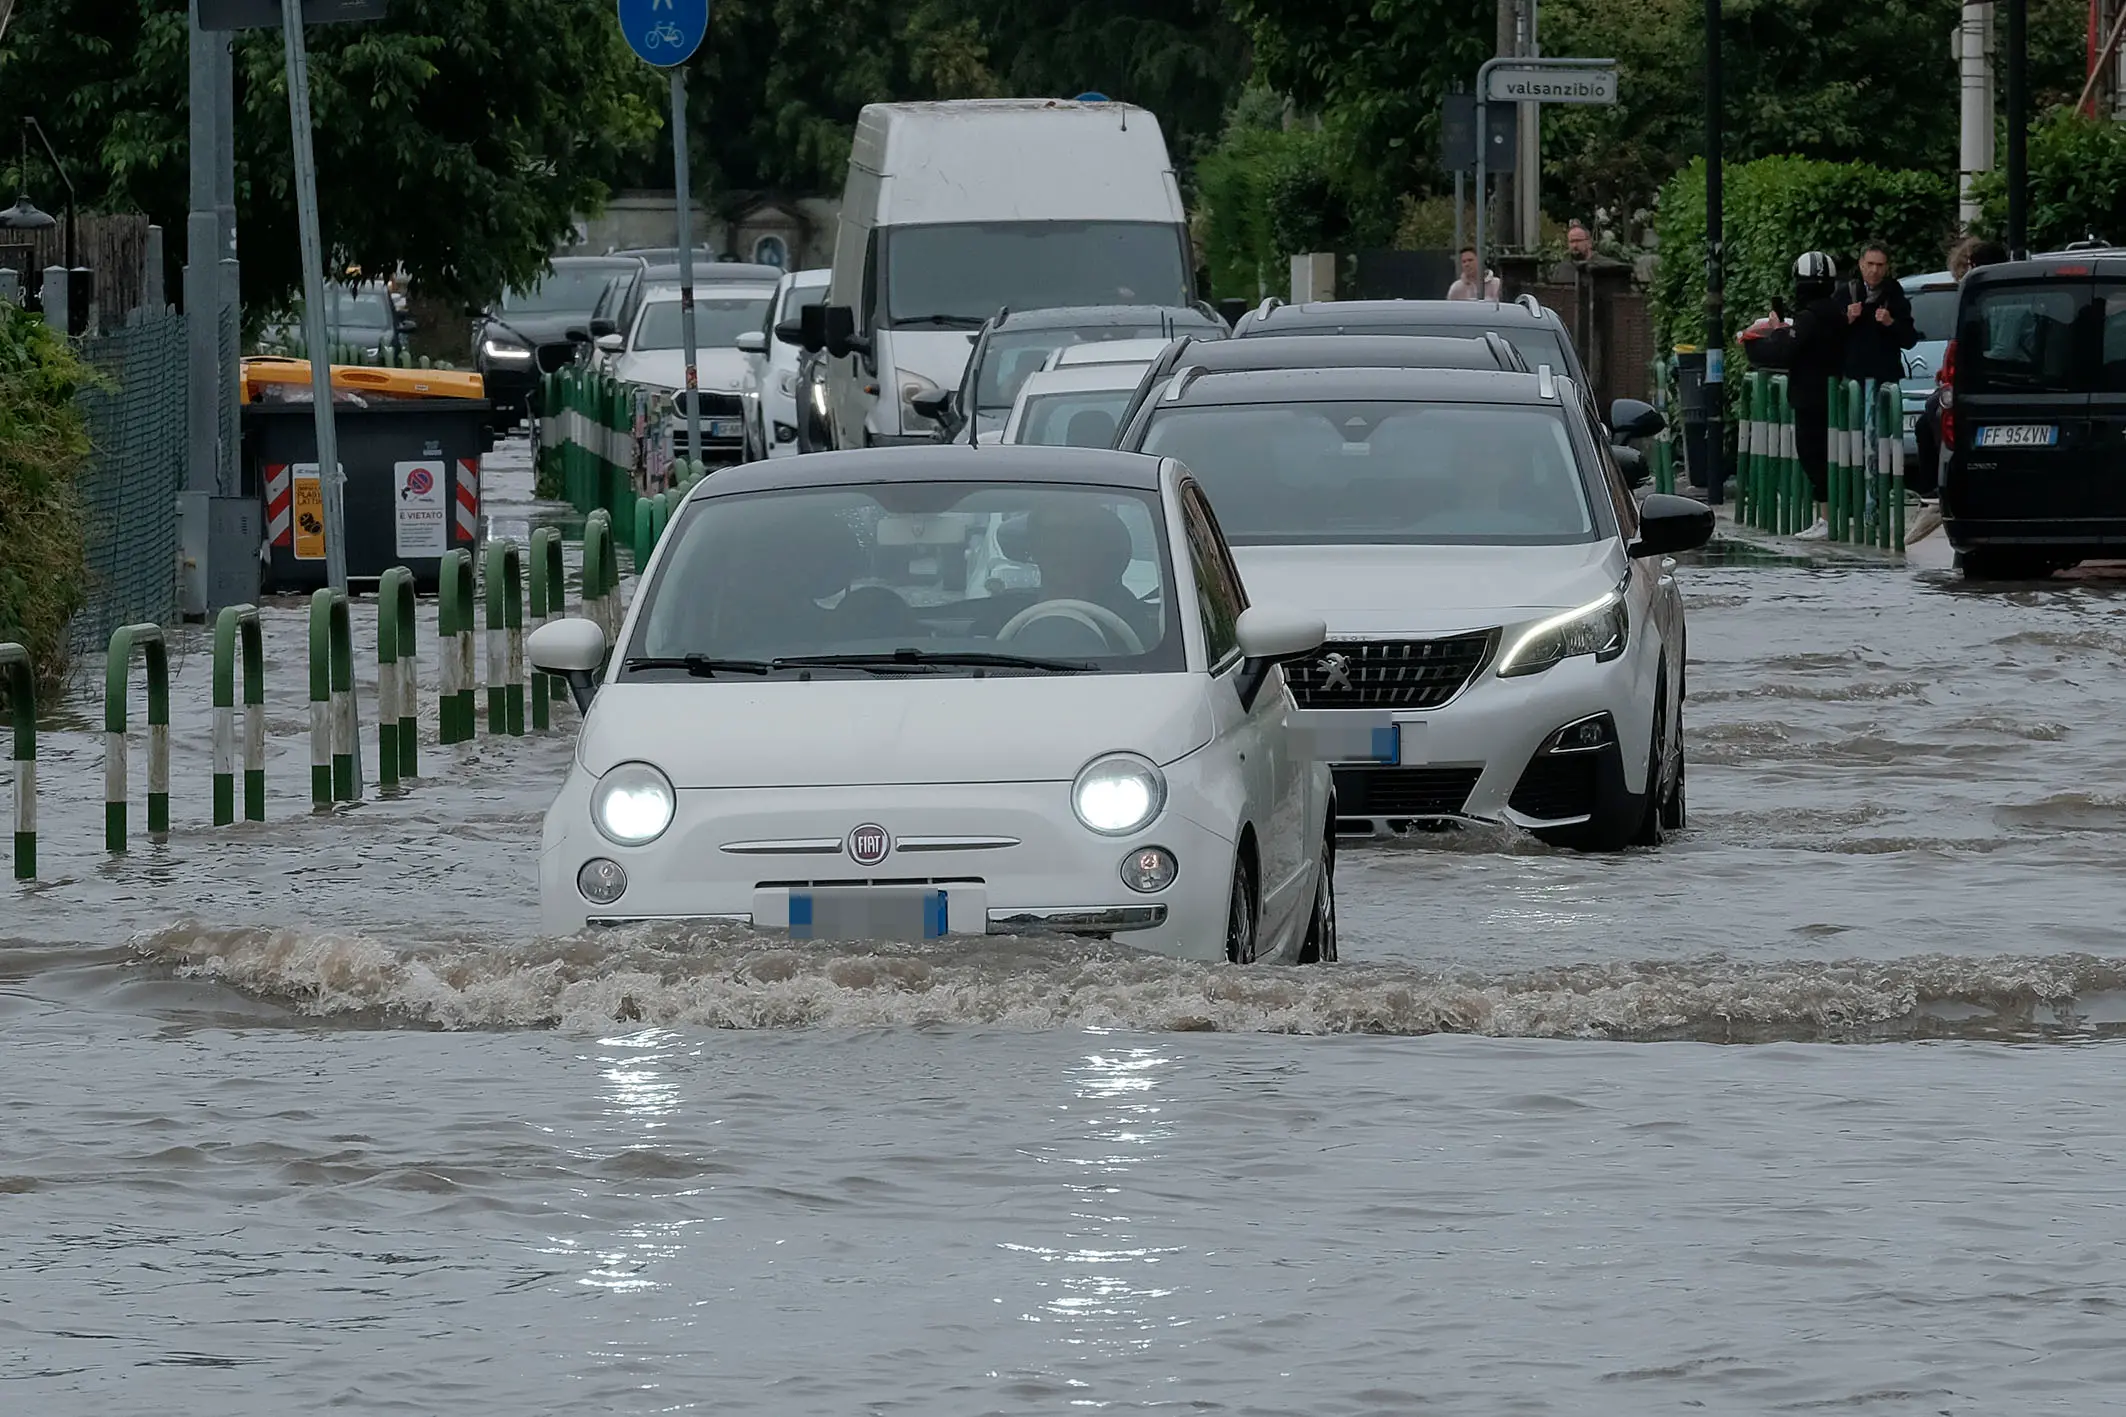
x=44, y=448
x=2077, y=183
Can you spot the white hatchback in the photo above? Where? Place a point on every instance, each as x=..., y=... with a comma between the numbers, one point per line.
x=771, y=354
x=832, y=715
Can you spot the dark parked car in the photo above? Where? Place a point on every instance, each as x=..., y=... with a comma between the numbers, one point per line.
x=2034, y=416
x=527, y=333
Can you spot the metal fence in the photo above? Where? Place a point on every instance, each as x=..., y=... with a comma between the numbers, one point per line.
x=129, y=497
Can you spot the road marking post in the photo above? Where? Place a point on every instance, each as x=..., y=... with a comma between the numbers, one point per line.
x=335, y=748
x=601, y=573
x=454, y=625
x=505, y=638
x=549, y=598
x=398, y=691
x=237, y=637
x=117, y=666
x=22, y=709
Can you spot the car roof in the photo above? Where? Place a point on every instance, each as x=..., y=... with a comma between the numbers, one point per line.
x=1378, y=315
x=1085, y=378
x=1497, y=386
x=1110, y=351
x=1932, y=280
x=706, y=272
x=1068, y=317
x=822, y=275
x=2065, y=265
x=1272, y=351
x=611, y=263
x=936, y=462
x=659, y=291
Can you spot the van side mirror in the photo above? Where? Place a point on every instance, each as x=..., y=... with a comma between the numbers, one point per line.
x=841, y=336
x=1632, y=418
x=812, y=328
x=1668, y=524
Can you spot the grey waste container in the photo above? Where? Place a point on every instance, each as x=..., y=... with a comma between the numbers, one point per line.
x=1690, y=394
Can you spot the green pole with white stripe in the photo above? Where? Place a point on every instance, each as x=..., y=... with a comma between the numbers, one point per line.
x=398, y=737
x=237, y=637
x=21, y=684
x=118, y=665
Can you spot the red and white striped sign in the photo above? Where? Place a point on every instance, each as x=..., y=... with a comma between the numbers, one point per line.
x=467, y=501
x=280, y=504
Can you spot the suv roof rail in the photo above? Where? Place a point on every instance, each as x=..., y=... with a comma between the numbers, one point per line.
x=1529, y=303
x=1502, y=349
x=1183, y=377
x=1546, y=382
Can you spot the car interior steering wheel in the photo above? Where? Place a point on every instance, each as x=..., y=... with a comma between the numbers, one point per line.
x=1098, y=618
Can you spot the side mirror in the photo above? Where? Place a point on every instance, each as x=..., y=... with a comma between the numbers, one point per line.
x=792, y=332
x=841, y=336
x=1269, y=636
x=933, y=404
x=1632, y=463
x=573, y=648
x=1632, y=418
x=611, y=344
x=576, y=334
x=603, y=327
x=1668, y=524
x=812, y=328
x=752, y=342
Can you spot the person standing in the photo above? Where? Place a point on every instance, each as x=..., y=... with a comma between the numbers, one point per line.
x=1468, y=287
x=1924, y=476
x=1819, y=354
x=1879, y=317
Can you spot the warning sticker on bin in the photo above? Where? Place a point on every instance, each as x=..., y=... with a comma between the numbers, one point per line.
x=423, y=517
x=309, y=513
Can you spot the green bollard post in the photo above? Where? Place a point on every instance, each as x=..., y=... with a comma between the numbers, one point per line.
x=549, y=598
x=22, y=709
x=454, y=625
x=117, y=666
x=335, y=774
x=645, y=534
x=398, y=691
x=1894, y=397
x=237, y=638
x=504, y=594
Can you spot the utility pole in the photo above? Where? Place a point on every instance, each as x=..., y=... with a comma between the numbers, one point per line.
x=1973, y=46
x=1509, y=35
x=209, y=241
x=1715, y=272
x=2018, y=130
x=1528, y=164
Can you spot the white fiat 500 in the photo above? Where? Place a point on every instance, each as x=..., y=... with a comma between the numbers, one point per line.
x=1505, y=625
x=832, y=713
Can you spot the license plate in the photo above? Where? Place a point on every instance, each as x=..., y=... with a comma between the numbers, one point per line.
x=720, y=428
x=2018, y=435
x=889, y=914
x=1911, y=422
x=1344, y=736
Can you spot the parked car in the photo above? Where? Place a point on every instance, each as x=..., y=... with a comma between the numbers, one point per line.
x=526, y=333
x=652, y=353
x=359, y=319
x=2034, y=416
x=1933, y=298
x=772, y=353
x=1012, y=344
x=1506, y=639
x=1105, y=753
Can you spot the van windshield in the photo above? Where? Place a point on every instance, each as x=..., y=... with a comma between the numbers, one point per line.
x=961, y=274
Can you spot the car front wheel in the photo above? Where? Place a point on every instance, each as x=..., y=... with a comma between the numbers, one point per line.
x=1320, y=946
x=1241, y=912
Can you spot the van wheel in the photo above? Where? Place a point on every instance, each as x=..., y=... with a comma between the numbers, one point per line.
x=1320, y=945
x=1241, y=911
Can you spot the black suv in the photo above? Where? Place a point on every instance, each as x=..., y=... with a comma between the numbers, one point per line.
x=526, y=334
x=2034, y=416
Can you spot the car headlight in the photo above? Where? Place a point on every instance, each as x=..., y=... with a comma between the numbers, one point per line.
x=787, y=382
x=505, y=351
x=632, y=804
x=1600, y=628
x=912, y=386
x=1118, y=794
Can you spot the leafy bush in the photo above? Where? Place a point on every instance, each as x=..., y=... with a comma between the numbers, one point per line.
x=1776, y=208
x=2077, y=183
x=44, y=449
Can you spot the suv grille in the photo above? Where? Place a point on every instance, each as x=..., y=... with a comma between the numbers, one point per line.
x=712, y=405
x=1388, y=674
x=1403, y=792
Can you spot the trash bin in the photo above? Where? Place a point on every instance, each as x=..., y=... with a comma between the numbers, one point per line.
x=412, y=485
x=1690, y=394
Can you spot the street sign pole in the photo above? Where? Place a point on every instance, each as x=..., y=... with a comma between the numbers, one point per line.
x=686, y=257
x=314, y=338
x=1599, y=86
x=1715, y=272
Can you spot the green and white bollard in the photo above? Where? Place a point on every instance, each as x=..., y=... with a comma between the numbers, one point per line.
x=22, y=708
x=505, y=638
x=601, y=574
x=398, y=689
x=117, y=670
x=549, y=598
x=335, y=767
x=237, y=637
x=454, y=627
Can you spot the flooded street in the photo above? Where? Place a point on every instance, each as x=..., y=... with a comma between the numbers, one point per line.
x=1815, y=1109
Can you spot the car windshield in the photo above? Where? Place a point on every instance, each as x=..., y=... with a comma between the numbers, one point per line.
x=919, y=573
x=798, y=299
x=368, y=308
x=1934, y=313
x=1013, y=356
x=966, y=273
x=718, y=321
x=1382, y=473
x=1086, y=419
x=567, y=289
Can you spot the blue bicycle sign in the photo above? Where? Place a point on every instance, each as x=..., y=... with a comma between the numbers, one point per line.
x=664, y=32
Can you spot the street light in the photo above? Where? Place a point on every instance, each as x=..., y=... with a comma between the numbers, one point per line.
x=24, y=215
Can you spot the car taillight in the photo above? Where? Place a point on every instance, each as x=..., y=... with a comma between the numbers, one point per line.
x=1945, y=384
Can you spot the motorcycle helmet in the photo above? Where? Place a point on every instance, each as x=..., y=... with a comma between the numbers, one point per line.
x=1814, y=274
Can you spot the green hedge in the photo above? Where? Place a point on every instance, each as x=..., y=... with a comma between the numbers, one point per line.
x=1267, y=193
x=2077, y=183
x=1773, y=210
x=44, y=450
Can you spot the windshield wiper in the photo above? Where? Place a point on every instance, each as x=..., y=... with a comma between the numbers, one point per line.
x=938, y=322
x=701, y=666
x=927, y=658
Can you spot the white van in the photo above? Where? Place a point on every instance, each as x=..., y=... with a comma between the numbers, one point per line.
x=955, y=210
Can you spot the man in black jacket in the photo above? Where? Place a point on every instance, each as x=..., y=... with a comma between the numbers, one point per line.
x=1819, y=355
x=1879, y=317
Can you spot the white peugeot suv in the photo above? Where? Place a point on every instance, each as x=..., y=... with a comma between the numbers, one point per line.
x=1506, y=639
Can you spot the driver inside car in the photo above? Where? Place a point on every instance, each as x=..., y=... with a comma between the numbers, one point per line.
x=1082, y=551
